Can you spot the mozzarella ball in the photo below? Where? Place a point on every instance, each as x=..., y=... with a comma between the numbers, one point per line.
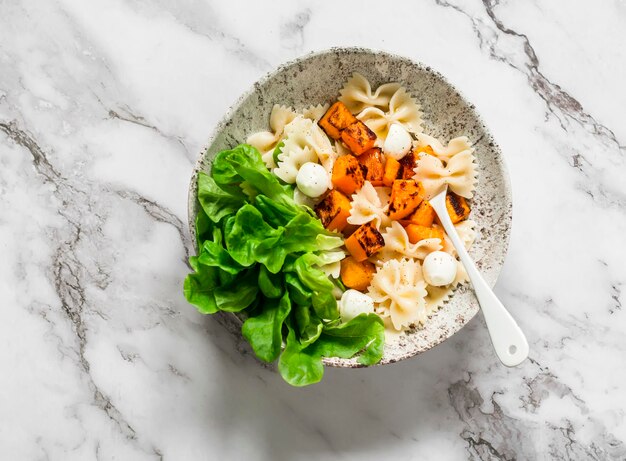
x=398, y=142
x=439, y=268
x=353, y=303
x=312, y=179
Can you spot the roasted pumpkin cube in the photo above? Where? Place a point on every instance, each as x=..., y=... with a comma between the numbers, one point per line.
x=372, y=164
x=336, y=119
x=393, y=171
x=408, y=162
x=347, y=174
x=356, y=275
x=406, y=195
x=424, y=215
x=457, y=207
x=415, y=232
x=358, y=137
x=364, y=242
x=334, y=210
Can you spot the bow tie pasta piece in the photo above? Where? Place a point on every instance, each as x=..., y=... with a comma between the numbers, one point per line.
x=290, y=162
x=397, y=244
x=266, y=141
x=459, y=174
x=367, y=206
x=304, y=142
x=398, y=288
x=357, y=94
x=443, y=153
x=402, y=110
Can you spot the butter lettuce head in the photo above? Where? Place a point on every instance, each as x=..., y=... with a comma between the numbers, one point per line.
x=261, y=255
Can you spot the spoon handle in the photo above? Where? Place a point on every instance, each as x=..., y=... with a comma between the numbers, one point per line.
x=507, y=337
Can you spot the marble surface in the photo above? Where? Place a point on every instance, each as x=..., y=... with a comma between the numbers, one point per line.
x=104, y=107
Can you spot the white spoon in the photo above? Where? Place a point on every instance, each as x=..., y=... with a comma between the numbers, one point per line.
x=507, y=337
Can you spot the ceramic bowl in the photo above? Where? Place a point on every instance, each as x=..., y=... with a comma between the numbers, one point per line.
x=317, y=78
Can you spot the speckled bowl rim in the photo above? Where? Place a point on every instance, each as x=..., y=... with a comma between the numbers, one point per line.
x=506, y=185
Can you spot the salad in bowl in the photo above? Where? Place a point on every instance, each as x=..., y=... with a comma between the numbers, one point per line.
x=317, y=232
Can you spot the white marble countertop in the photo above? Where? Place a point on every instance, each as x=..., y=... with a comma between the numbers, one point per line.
x=104, y=107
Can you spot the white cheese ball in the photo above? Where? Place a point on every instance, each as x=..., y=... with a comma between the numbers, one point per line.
x=353, y=303
x=398, y=142
x=312, y=179
x=439, y=268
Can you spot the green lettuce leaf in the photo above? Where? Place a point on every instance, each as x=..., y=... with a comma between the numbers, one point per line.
x=215, y=255
x=204, y=227
x=244, y=163
x=264, y=331
x=297, y=291
x=239, y=293
x=296, y=365
x=249, y=240
x=309, y=326
x=216, y=201
x=200, y=286
x=366, y=333
x=261, y=253
x=271, y=285
x=316, y=280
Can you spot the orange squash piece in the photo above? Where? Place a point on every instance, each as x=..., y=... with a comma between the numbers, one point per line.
x=336, y=119
x=406, y=195
x=424, y=215
x=416, y=232
x=393, y=170
x=334, y=210
x=364, y=242
x=457, y=207
x=408, y=162
x=356, y=275
x=347, y=174
x=372, y=163
x=358, y=137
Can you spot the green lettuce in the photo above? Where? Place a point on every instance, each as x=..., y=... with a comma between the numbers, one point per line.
x=261, y=254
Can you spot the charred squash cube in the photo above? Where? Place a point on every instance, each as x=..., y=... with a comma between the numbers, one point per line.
x=393, y=171
x=336, y=119
x=415, y=232
x=364, y=242
x=406, y=195
x=358, y=137
x=424, y=215
x=408, y=162
x=356, y=275
x=334, y=210
x=347, y=174
x=457, y=207
x=373, y=165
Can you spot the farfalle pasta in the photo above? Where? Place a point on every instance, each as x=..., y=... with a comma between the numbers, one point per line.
x=375, y=184
x=398, y=245
x=402, y=109
x=443, y=153
x=459, y=174
x=367, y=207
x=399, y=290
x=357, y=94
x=304, y=142
x=266, y=141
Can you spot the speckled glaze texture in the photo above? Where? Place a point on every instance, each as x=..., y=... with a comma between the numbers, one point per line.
x=317, y=78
